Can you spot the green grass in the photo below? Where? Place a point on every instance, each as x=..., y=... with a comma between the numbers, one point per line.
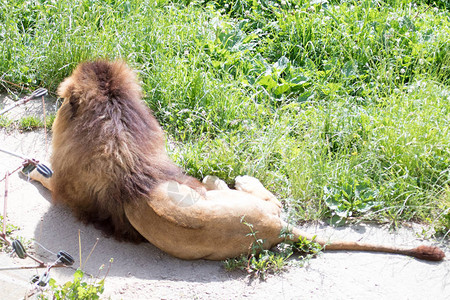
x=29, y=123
x=5, y=122
x=26, y=123
x=341, y=109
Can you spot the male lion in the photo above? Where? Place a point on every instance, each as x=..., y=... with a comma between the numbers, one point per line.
x=111, y=169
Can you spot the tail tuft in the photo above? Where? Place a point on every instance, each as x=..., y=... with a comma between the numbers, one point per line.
x=428, y=253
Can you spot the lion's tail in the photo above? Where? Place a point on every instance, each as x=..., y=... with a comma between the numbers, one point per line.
x=422, y=252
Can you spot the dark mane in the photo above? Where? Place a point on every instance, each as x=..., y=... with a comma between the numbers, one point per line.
x=110, y=124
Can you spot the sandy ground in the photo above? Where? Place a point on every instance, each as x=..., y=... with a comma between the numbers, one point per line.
x=144, y=272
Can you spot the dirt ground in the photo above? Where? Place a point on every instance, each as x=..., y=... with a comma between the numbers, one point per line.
x=144, y=272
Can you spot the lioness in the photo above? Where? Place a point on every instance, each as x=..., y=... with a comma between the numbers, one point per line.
x=110, y=167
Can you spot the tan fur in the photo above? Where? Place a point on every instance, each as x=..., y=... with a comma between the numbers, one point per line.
x=111, y=169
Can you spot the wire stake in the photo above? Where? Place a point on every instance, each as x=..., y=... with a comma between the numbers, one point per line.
x=36, y=94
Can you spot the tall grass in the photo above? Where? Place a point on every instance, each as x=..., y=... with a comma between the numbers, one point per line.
x=340, y=108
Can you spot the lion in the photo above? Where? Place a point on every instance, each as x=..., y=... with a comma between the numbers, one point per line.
x=111, y=169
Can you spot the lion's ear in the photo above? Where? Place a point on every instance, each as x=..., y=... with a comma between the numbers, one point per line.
x=65, y=88
x=66, y=91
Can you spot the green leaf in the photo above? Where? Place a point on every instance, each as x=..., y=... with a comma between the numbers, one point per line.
x=282, y=63
x=267, y=81
x=299, y=80
x=350, y=69
x=78, y=275
x=335, y=220
x=281, y=89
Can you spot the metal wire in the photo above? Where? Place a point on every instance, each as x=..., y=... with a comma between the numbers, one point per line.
x=44, y=248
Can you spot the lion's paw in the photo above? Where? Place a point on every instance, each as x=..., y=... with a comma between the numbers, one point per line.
x=214, y=183
x=253, y=186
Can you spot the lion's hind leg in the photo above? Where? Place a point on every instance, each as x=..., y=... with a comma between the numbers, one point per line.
x=180, y=194
x=253, y=186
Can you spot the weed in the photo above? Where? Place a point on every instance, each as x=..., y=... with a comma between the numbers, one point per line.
x=79, y=288
x=29, y=123
x=49, y=121
x=76, y=289
x=261, y=262
x=5, y=122
x=10, y=228
x=349, y=198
